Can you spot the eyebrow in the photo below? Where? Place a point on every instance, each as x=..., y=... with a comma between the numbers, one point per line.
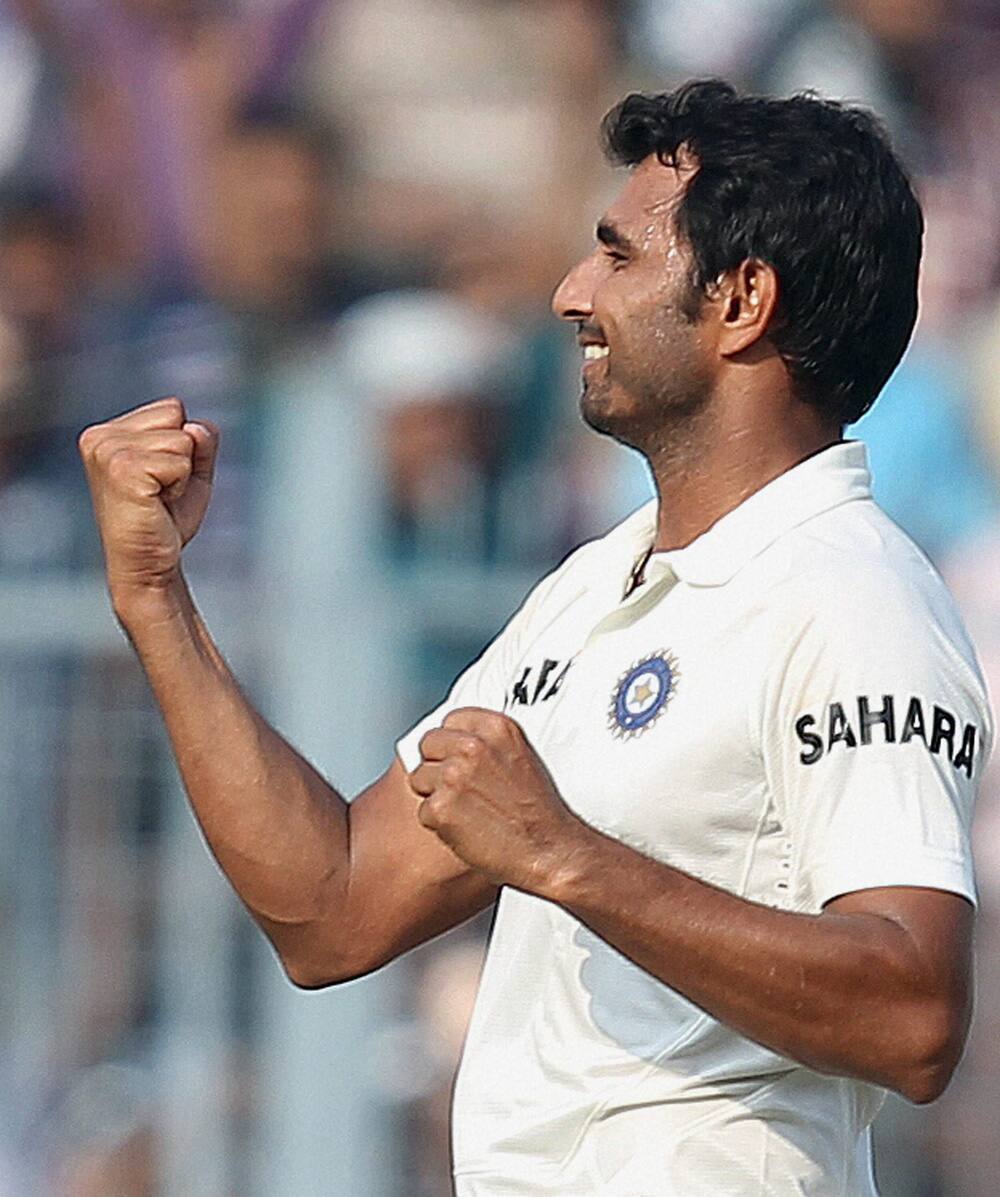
x=610, y=235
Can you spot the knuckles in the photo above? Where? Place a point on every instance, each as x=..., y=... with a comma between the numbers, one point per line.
x=172, y=408
x=483, y=724
x=469, y=747
x=170, y=415
x=431, y=812
x=418, y=781
x=118, y=464
x=466, y=746
x=452, y=774
x=119, y=455
x=96, y=446
x=87, y=440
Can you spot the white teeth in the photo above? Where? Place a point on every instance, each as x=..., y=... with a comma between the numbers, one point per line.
x=592, y=352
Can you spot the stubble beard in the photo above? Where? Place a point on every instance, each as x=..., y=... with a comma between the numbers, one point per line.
x=659, y=409
x=663, y=422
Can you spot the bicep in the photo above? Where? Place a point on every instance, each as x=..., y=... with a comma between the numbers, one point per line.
x=404, y=885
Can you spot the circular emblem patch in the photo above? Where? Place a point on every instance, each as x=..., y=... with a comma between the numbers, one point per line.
x=641, y=694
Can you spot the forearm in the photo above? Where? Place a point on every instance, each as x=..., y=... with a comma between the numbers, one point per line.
x=277, y=829
x=844, y=994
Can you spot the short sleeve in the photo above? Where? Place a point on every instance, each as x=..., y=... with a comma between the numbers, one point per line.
x=875, y=730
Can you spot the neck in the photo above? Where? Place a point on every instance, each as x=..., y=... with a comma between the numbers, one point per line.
x=721, y=458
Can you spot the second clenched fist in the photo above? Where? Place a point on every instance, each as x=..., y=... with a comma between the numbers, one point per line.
x=150, y=476
x=486, y=794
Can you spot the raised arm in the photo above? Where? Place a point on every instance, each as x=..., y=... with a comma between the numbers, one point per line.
x=339, y=889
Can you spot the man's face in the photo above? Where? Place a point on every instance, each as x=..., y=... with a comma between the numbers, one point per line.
x=271, y=221
x=646, y=362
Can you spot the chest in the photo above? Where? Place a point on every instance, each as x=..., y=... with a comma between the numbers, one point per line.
x=645, y=721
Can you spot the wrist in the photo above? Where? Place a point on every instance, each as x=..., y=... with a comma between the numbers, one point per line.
x=564, y=870
x=138, y=607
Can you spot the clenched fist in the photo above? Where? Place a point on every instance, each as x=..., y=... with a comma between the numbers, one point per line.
x=488, y=796
x=150, y=475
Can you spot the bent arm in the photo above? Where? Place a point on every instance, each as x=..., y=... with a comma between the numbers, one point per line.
x=339, y=889
x=876, y=987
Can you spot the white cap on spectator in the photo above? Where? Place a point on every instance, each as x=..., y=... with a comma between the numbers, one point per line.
x=407, y=346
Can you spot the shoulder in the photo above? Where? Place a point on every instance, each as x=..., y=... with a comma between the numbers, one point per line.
x=853, y=572
x=857, y=612
x=864, y=646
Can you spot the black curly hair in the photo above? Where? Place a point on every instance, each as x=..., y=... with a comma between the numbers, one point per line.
x=811, y=187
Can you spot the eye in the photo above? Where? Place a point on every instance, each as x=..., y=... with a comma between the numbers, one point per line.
x=615, y=257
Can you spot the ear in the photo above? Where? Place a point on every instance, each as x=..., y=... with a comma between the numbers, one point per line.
x=748, y=300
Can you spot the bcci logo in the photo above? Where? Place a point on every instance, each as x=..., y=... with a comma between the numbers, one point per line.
x=641, y=694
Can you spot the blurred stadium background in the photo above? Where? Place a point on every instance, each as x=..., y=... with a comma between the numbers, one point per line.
x=333, y=226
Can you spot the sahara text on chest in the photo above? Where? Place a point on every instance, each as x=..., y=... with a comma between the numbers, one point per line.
x=853, y=724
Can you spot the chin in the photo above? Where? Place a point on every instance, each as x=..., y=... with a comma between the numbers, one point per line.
x=598, y=410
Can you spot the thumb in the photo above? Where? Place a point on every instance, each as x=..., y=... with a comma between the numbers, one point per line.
x=206, y=448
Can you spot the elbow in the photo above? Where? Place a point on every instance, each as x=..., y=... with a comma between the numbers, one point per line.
x=311, y=976
x=312, y=963
x=923, y=1086
x=934, y=1050
x=322, y=953
x=926, y=1083
x=324, y=969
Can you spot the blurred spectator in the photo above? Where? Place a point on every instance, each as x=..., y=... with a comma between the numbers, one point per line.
x=467, y=115
x=41, y=289
x=278, y=237
x=481, y=435
x=148, y=88
x=985, y=367
x=106, y=1144
x=17, y=421
x=41, y=276
x=431, y=366
x=21, y=69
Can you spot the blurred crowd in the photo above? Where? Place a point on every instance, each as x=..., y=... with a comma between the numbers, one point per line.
x=217, y=199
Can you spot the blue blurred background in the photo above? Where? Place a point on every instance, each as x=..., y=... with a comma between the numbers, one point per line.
x=333, y=226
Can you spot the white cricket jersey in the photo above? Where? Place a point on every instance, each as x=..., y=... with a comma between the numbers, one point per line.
x=788, y=708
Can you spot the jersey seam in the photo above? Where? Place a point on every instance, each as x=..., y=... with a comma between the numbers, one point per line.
x=758, y=832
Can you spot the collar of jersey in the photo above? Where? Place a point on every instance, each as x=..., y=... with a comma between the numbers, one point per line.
x=836, y=475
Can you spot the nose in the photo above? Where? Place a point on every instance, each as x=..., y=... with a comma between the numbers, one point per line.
x=574, y=297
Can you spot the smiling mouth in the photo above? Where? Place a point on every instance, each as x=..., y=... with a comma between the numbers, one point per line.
x=593, y=353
